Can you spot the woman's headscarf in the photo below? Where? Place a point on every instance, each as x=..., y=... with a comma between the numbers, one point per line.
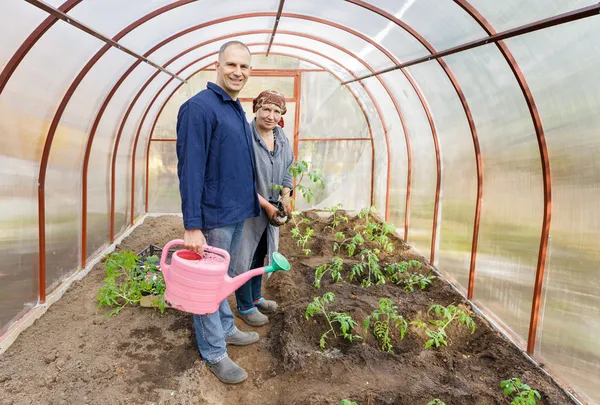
x=270, y=97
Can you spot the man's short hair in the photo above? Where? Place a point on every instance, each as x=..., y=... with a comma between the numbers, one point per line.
x=232, y=43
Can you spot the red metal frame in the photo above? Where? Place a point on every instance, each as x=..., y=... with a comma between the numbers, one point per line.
x=196, y=72
x=546, y=176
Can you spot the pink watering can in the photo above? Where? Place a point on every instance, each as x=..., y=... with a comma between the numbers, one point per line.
x=198, y=283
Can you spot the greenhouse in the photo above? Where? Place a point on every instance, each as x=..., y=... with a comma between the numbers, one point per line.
x=442, y=229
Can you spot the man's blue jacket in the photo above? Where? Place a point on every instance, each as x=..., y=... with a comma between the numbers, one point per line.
x=217, y=178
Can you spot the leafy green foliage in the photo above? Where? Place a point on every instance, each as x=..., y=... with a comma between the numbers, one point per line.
x=435, y=402
x=301, y=168
x=378, y=234
x=126, y=282
x=334, y=268
x=382, y=320
x=396, y=271
x=345, y=322
x=521, y=393
x=413, y=280
x=301, y=238
x=336, y=219
x=444, y=317
x=347, y=402
x=370, y=265
x=350, y=243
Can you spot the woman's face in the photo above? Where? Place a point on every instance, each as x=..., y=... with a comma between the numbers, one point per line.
x=268, y=116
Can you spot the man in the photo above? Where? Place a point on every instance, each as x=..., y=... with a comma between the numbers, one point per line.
x=218, y=191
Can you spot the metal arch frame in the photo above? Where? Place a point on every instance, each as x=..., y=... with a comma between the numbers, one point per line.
x=204, y=68
x=545, y=160
x=470, y=120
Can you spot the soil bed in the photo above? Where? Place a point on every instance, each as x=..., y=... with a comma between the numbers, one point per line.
x=76, y=355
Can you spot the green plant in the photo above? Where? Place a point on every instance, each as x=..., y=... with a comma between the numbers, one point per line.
x=435, y=402
x=416, y=279
x=301, y=238
x=385, y=317
x=379, y=234
x=301, y=168
x=370, y=262
x=126, y=282
x=345, y=321
x=521, y=393
x=335, y=268
x=351, y=243
x=336, y=219
x=445, y=316
x=347, y=402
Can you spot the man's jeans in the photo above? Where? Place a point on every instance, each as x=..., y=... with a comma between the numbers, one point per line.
x=211, y=330
x=251, y=291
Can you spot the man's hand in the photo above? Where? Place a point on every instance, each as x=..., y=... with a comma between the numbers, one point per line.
x=194, y=241
x=272, y=212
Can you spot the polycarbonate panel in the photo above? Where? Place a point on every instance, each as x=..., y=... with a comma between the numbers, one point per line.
x=346, y=169
x=31, y=97
x=458, y=194
x=17, y=20
x=146, y=126
x=395, y=130
x=441, y=22
x=323, y=98
x=213, y=48
x=163, y=182
x=257, y=84
x=63, y=181
x=513, y=13
x=109, y=17
x=280, y=62
x=166, y=125
x=391, y=37
x=359, y=47
x=339, y=70
x=156, y=30
x=212, y=32
x=562, y=75
x=343, y=58
x=512, y=207
x=124, y=154
x=98, y=216
x=424, y=171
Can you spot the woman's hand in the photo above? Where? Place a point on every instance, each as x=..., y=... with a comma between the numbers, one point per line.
x=272, y=214
x=287, y=206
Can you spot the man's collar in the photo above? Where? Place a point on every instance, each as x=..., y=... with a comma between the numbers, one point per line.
x=219, y=90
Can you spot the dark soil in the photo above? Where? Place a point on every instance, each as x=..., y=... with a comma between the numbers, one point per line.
x=76, y=355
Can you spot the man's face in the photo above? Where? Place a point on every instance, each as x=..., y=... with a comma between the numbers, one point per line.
x=233, y=69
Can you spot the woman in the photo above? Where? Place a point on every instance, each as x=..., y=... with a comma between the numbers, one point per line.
x=273, y=157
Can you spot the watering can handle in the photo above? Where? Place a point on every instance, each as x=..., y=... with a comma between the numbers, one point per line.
x=218, y=251
x=164, y=267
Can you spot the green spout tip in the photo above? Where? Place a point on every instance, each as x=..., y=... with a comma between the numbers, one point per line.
x=279, y=263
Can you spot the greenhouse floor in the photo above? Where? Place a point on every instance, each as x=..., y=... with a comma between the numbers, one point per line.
x=75, y=354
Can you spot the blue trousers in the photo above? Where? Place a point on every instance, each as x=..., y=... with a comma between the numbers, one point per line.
x=212, y=330
x=251, y=292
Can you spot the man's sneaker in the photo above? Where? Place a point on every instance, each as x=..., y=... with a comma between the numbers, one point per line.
x=228, y=371
x=253, y=317
x=240, y=338
x=266, y=306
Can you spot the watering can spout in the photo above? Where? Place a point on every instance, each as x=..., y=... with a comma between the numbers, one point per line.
x=230, y=285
